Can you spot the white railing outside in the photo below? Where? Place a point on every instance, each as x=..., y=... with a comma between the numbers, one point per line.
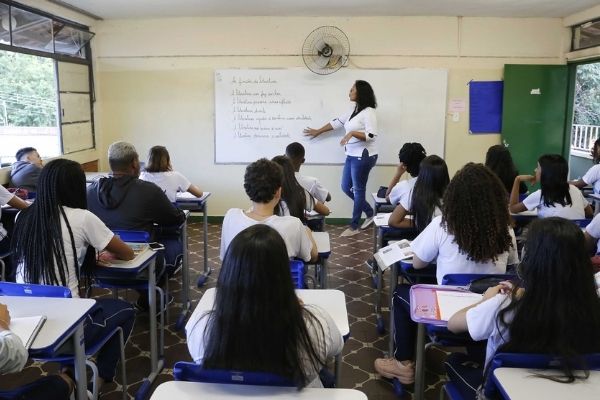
x=583, y=137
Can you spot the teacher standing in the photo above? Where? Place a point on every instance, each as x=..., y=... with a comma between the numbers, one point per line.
x=359, y=144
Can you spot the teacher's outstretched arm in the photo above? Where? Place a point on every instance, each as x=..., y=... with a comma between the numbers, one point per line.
x=313, y=133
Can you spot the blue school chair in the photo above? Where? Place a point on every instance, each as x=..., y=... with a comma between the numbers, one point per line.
x=191, y=372
x=582, y=223
x=298, y=270
x=31, y=290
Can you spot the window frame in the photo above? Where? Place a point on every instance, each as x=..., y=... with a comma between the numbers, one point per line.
x=580, y=26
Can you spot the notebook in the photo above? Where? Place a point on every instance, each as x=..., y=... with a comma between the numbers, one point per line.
x=27, y=328
x=390, y=254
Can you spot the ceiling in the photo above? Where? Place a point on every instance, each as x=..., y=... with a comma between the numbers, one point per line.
x=125, y=9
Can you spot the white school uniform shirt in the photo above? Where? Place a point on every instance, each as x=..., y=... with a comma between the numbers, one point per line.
x=87, y=229
x=290, y=228
x=13, y=355
x=482, y=325
x=365, y=121
x=170, y=182
x=328, y=341
x=313, y=186
x=574, y=211
x=406, y=203
x=593, y=229
x=402, y=190
x=592, y=177
x=5, y=197
x=436, y=243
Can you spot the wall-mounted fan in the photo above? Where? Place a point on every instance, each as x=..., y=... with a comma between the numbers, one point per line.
x=325, y=50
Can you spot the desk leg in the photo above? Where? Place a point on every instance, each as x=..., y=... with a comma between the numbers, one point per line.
x=207, y=270
x=392, y=289
x=337, y=369
x=323, y=272
x=420, y=364
x=185, y=278
x=80, y=376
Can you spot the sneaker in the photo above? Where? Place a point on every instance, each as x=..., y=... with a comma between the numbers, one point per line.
x=349, y=232
x=366, y=223
x=391, y=368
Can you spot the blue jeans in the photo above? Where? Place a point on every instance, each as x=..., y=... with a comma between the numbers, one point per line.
x=354, y=184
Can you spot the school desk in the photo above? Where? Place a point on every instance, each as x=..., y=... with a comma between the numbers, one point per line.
x=324, y=250
x=520, y=384
x=64, y=322
x=127, y=270
x=223, y=391
x=332, y=301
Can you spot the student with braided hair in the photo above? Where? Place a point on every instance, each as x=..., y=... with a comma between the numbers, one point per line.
x=471, y=236
x=50, y=243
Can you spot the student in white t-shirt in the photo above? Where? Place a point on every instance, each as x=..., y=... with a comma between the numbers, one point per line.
x=257, y=322
x=410, y=156
x=262, y=183
x=473, y=235
x=424, y=201
x=556, y=198
x=50, y=246
x=159, y=171
x=592, y=176
x=592, y=234
x=553, y=310
x=295, y=152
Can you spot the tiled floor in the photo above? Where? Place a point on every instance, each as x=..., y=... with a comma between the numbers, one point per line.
x=347, y=272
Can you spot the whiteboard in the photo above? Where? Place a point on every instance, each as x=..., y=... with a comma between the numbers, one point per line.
x=258, y=112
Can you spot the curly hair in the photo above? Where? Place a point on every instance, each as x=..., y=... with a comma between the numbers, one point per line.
x=411, y=155
x=475, y=211
x=262, y=179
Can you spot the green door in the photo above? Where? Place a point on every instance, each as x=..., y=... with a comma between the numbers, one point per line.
x=534, y=112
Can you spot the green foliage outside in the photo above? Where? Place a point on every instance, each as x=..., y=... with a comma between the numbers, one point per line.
x=587, y=95
x=27, y=90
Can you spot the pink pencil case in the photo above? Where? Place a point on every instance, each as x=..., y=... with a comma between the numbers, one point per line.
x=424, y=306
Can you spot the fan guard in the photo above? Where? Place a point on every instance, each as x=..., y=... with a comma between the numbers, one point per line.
x=326, y=50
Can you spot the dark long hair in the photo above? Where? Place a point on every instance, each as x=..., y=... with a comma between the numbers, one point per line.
x=559, y=310
x=429, y=190
x=411, y=154
x=255, y=291
x=554, y=183
x=475, y=211
x=365, y=97
x=291, y=191
x=499, y=160
x=158, y=160
x=37, y=240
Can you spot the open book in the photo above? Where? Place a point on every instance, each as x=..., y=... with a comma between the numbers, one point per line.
x=390, y=254
x=27, y=328
x=141, y=251
x=435, y=304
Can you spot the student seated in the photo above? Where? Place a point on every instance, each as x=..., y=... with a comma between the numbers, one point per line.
x=425, y=199
x=26, y=170
x=257, y=322
x=159, y=171
x=556, y=198
x=50, y=243
x=472, y=236
x=499, y=160
x=9, y=198
x=295, y=152
x=592, y=234
x=553, y=310
x=295, y=200
x=592, y=176
x=262, y=182
x=122, y=201
x=410, y=155
x=13, y=357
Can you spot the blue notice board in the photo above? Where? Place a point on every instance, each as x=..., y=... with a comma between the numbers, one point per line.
x=485, y=107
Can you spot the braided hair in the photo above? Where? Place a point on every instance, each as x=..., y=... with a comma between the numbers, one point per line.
x=37, y=241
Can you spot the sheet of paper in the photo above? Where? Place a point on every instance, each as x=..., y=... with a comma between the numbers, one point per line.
x=450, y=302
x=27, y=328
x=382, y=219
x=189, y=196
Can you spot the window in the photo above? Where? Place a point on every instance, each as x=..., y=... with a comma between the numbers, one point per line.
x=586, y=35
x=46, y=90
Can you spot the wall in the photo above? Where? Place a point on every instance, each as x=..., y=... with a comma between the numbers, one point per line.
x=154, y=79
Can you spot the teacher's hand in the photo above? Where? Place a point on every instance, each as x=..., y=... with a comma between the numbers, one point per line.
x=346, y=139
x=313, y=133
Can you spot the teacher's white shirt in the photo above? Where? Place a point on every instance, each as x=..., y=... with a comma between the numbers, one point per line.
x=365, y=121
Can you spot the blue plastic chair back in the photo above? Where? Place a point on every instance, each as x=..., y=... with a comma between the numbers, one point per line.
x=31, y=290
x=582, y=223
x=465, y=279
x=187, y=371
x=133, y=236
x=297, y=270
x=534, y=361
